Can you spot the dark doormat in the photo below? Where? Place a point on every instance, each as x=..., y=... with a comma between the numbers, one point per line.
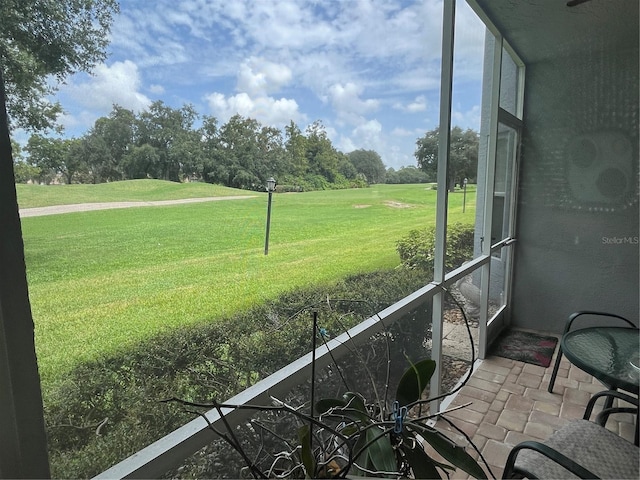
x=525, y=347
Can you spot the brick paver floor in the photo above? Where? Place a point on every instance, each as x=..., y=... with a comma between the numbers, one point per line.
x=509, y=403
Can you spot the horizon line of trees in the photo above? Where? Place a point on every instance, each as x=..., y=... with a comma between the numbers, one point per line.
x=164, y=143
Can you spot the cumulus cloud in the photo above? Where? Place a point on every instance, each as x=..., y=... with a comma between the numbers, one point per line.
x=156, y=89
x=403, y=132
x=369, y=129
x=342, y=62
x=368, y=135
x=267, y=110
x=419, y=104
x=468, y=118
x=119, y=83
x=258, y=76
x=346, y=102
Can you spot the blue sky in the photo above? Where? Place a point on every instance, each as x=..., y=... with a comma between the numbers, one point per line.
x=368, y=69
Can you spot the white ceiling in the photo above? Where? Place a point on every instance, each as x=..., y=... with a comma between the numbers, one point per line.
x=541, y=29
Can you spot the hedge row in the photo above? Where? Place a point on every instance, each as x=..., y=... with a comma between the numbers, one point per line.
x=108, y=409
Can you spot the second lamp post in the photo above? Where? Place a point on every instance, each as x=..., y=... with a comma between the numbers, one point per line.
x=271, y=186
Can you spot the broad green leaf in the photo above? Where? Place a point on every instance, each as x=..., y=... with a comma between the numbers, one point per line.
x=304, y=436
x=362, y=459
x=380, y=452
x=454, y=454
x=414, y=381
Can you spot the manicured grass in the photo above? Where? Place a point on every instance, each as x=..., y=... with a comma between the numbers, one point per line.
x=102, y=281
x=30, y=196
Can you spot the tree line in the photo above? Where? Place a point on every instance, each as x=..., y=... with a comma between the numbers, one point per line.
x=164, y=143
x=46, y=41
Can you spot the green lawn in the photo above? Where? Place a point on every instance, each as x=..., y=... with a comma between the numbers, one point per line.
x=101, y=281
x=30, y=196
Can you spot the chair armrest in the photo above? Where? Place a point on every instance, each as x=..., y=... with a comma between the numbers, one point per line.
x=548, y=452
x=607, y=393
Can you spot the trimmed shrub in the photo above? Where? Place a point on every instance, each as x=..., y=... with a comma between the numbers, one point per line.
x=417, y=249
x=104, y=411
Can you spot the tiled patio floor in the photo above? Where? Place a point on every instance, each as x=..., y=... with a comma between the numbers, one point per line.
x=510, y=404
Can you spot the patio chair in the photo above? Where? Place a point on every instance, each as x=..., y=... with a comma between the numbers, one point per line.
x=606, y=352
x=573, y=317
x=580, y=449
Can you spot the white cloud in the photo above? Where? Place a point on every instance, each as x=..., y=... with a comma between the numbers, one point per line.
x=258, y=76
x=469, y=44
x=368, y=135
x=156, y=89
x=116, y=84
x=403, y=132
x=151, y=36
x=345, y=144
x=288, y=24
x=466, y=119
x=418, y=104
x=342, y=62
x=370, y=129
x=347, y=103
x=267, y=110
x=397, y=157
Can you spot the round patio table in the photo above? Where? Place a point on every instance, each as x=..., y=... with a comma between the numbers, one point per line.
x=610, y=354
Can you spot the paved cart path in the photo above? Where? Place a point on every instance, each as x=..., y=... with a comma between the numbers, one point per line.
x=86, y=207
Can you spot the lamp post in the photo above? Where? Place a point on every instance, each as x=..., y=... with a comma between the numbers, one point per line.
x=271, y=186
x=464, y=195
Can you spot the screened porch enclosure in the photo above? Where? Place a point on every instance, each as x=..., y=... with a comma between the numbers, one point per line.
x=557, y=193
x=556, y=219
x=577, y=215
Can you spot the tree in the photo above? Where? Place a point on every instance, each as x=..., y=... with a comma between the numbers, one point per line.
x=141, y=162
x=51, y=155
x=369, y=163
x=206, y=167
x=322, y=157
x=24, y=445
x=296, y=149
x=346, y=168
x=115, y=134
x=44, y=39
x=23, y=171
x=272, y=152
x=94, y=156
x=406, y=175
x=242, y=161
x=463, y=158
x=169, y=131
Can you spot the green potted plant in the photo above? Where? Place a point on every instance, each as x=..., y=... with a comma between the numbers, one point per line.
x=376, y=442
x=350, y=435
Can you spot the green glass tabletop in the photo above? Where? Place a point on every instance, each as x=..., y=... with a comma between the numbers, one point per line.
x=610, y=354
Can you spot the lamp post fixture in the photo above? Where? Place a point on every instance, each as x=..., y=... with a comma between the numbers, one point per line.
x=271, y=186
x=464, y=195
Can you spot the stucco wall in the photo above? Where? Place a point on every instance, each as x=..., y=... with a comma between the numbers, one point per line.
x=578, y=214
